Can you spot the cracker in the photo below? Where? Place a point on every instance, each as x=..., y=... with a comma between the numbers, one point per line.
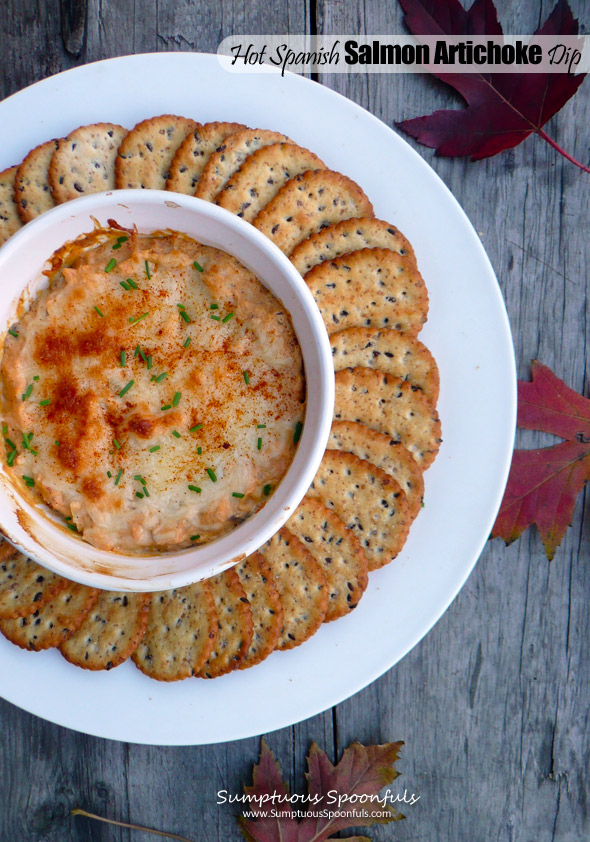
x=338, y=552
x=229, y=157
x=110, y=632
x=146, y=154
x=392, y=406
x=267, y=615
x=262, y=175
x=309, y=202
x=369, y=288
x=10, y=220
x=234, y=625
x=84, y=161
x=384, y=452
x=31, y=189
x=390, y=351
x=25, y=586
x=194, y=152
x=302, y=588
x=54, y=622
x=180, y=633
x=347, y=236
x=369, y=501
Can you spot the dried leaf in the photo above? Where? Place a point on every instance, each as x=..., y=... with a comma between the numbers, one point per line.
x=543, y=484
x=502, y=108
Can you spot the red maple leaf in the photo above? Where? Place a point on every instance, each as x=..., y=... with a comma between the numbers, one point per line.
x=352, y=787
x=543, y=484
x=502, y=108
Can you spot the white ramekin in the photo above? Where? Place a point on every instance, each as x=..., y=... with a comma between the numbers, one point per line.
x=33, y=528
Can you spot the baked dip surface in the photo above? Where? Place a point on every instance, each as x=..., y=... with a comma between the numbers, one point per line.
x=153, y=394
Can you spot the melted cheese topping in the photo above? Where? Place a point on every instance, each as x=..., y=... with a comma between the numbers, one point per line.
x=139, y=387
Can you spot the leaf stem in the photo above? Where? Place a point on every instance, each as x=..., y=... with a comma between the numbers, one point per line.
x=78, y=812
x=561, y=151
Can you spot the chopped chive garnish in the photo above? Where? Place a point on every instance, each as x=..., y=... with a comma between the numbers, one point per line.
x=149, y=362
x=198, y=267
x=109, y=475
x=122, y=239
x=124, y=284
x=146, y=492
x=176, y=398
x=195, y=537
x=199, y=450
x=123, y=359
x=119, y=475
x=110, y=265
x=227, y=318
x=99, y=312
x=246, y=378
x=164, y=408
x=29, y=481
x=267, y=489
x=140, y=479
x=4, y=429
x=211, y=473
x=36, y=377
x=72, y=526
x=126, y=388
x=187, y=342
x=136, y=352
x=139, y=494
x=56, y=443
x=116, y=246
x=259, y=444
x=142, y=355
x=196, y=489
x=147, y=270
x=161, y=376
x=215, y=318
x=13, y=333
x=181, y=306
x=236, y=494
x=117, y=444
x=195, y=428
x=154, y=448
x=10, y=458
x=46, y=402
x=27, y=394
x=132, y=283
x=297, y=433
x=261, y=426
x=185, y=316
x=10, y=443
x=133, y=321
x=176, y=434
x=34, y=452
x=214, y=307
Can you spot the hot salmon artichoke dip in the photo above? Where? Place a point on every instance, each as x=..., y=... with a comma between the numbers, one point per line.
x=153, y=394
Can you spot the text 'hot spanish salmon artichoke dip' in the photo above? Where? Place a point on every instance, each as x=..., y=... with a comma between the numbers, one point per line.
x=153, y=394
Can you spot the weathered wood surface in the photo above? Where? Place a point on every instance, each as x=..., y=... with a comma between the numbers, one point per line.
x=493, y=703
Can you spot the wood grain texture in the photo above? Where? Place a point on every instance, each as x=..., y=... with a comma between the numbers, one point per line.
x=493, y=703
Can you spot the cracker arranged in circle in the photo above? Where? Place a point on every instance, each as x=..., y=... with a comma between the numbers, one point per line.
x=267, y=615
x=337, y=550
x=180, y=633
x=31, y=188
x=194, y=152
x=302, y=588
x=262, y=175
x=369, y=288
x=10, y=220
x=348, y=236
x=308, y=203
x=390, y=351
x=110, y=632
x=384, y=452
x=25, y=586
x=84, y=161
x=369, y=501
x=146, y=154
x=54, y=622
x=392, y=406
x=234, y=625
x=229, y=157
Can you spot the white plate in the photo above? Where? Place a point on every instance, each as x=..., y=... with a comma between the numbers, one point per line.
x=467, y=331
